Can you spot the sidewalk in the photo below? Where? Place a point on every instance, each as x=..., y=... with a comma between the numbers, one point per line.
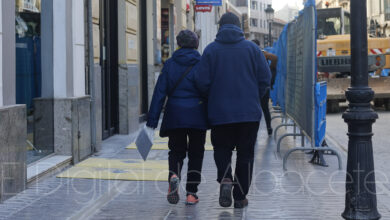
x=304, y=192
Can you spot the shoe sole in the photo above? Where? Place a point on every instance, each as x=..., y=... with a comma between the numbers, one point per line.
x=225, y=197
x=173, y=197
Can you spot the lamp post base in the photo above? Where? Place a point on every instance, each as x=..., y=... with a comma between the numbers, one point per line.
x=361, y=202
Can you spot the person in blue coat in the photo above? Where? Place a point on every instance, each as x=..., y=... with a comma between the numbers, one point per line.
x=185, y=116
x=233, y=75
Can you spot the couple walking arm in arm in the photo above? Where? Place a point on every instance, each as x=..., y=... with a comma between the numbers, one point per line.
x=224, y=88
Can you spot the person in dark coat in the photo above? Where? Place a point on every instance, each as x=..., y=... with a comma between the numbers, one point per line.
x=265, y=100
x=233, y=75
x=185, y=116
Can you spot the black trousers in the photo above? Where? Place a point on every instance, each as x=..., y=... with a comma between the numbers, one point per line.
x=241, y=136
x=181, y=142
x=265, y=107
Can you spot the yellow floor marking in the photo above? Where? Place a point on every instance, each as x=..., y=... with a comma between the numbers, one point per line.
x=119, y=169
x=30, y=137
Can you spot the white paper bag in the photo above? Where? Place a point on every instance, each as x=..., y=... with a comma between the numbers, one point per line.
x=144, y=141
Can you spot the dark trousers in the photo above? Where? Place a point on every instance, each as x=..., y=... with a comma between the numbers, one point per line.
x=182, y=141
x=265, y=107
x=241, y=136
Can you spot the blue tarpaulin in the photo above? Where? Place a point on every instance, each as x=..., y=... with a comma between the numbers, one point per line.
x=278, y=93
x=385, y=72
x=320, y=115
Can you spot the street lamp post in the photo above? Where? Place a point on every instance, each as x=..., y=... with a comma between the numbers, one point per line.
x=269, y=12
x=360, y=201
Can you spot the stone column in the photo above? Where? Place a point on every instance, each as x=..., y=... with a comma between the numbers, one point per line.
x=62, y=114
x=13, y=123
x=8, y=46
x=1, y=54
x=129, y=70
x=97, y=73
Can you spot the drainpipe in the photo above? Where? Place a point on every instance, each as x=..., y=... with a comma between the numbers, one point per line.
x=91, y=77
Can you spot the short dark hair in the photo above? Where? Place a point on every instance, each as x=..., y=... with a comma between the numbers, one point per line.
x=257, y=42
x=187, y=39
x=229, y=18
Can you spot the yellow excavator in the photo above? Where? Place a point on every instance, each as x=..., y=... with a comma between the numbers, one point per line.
x=334, y=58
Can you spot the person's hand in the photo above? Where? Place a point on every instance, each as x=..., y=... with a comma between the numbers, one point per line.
x=151, y=128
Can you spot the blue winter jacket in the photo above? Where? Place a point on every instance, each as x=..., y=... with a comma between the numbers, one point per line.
x=185, y=107
x=233, y=74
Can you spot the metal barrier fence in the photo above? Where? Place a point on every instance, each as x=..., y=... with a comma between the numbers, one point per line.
x=300, y=99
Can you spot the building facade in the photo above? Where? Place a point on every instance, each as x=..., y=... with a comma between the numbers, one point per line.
x=206, y=22
x=243, y=7
x=378, y=15
x=13, y=126
x=287, y=13
x=259, y=26
x=255, y=19
x=277, y=28
x=69, y=80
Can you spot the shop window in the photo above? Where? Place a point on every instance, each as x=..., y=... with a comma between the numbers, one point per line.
x=165, y=44
x=28, y=69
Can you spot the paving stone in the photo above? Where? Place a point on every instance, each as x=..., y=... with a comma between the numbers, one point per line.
x=303, y=193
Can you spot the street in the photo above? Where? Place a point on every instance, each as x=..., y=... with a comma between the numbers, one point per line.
x=102, y=100
x=275, y=194
x=337, y=130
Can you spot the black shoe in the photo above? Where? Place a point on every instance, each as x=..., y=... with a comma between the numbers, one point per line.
x=225, y=193
x=270, y=131
x=241, y=204
x=173, y=191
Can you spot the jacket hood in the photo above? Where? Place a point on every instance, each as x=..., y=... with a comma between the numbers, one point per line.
x=186, y=56
x=230, y=34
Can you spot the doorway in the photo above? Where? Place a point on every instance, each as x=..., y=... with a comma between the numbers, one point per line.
x=109, y=64
x=144, y=62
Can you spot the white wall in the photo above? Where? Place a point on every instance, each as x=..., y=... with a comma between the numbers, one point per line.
x=78, y=45
x=374, y=8
x=1, y=54
x=63, y=49
x=59, y=49
x=206, y=22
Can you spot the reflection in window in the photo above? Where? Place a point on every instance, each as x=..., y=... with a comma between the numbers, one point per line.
x=329, y=26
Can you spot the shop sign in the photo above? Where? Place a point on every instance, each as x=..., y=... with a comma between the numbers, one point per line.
x=203, y=8
x=188, y=8
x=209, y=2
